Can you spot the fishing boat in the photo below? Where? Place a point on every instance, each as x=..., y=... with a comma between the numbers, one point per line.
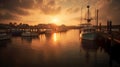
x=88, y=32
x=30, y=34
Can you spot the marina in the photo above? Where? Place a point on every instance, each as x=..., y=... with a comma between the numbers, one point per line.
x=59, y=33
x=60, y=46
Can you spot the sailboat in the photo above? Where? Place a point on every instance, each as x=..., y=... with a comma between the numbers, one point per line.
x=88, y=32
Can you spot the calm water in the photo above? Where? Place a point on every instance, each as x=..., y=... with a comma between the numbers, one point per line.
x=56, y=50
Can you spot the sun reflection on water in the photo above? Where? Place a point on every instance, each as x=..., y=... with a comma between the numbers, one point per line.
x=55, y=37
x=80, y=35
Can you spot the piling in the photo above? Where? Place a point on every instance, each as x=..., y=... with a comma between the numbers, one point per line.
x=99, y=26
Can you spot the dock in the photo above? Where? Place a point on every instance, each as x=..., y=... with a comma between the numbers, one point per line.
x=108, y=32
x=112, y=37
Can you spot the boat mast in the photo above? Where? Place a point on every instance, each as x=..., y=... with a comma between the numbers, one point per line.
x=81, y=15
x=97, y=17
x=88, y=18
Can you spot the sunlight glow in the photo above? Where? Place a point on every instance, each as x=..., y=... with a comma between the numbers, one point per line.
x=55, y=20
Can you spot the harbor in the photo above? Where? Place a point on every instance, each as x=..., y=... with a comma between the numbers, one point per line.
x=58, y=50
x=59, y=33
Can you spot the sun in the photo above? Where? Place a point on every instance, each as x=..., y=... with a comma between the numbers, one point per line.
x=55, y=20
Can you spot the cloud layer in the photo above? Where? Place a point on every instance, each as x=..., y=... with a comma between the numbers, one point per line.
x=15, y=10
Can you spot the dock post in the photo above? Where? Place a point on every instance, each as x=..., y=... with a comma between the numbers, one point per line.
x=110, y=32
x=97, y=19
x=109, y=29
x=109, y=26
x=100, y=27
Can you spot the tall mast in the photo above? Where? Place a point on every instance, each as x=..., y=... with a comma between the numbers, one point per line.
x=88, y=11
x=97, y=17
x=81, y=15
x=88, y=17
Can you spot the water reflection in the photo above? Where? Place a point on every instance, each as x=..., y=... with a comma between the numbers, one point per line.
x=54, y=50
x=29, y=39
x=4, y=43
x=55, y=37
x=114, y=55
x=90, y=48
x=89, y=45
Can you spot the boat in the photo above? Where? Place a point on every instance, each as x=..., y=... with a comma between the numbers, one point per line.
x=4, y=36
x=16, y=32
x=62, y=28
x=88, y=32
x=49, y=31
x=29, y=34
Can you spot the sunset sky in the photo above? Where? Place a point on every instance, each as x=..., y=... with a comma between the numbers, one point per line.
x=66, y=12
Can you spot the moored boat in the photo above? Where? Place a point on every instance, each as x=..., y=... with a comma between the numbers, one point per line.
x=49, y=31
x=30, y=34
x=88, y=33
x=4, y=36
